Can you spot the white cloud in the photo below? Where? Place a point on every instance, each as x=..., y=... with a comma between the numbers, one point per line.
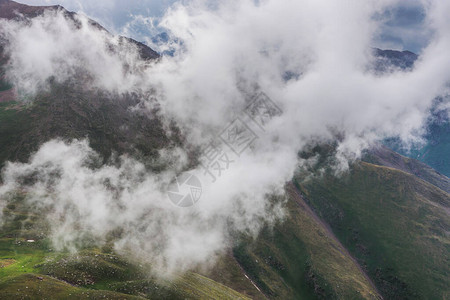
x=83, y=202
x=113, y=14
x=327, y=42
x=51, y=46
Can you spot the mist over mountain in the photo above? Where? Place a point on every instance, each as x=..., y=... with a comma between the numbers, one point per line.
x=244, y=161
x=435, y=147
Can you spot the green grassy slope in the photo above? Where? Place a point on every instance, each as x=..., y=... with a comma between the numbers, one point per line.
x=69, y=112
x=13, y=124
x=228, y=272
x=31, y=286
x=395, y=224
x=32, y=270
x=300, y=259
x=297, y=260
x=386, y=157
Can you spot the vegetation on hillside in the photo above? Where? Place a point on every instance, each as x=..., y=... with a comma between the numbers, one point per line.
x=395, y=224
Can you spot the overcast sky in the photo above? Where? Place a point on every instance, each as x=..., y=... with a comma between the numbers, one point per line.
x=403, y=29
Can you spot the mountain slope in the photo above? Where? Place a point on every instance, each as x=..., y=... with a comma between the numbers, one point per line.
x=298, y=259
x=28, y=266
x=11, y=10
x=436, y=151
x=301, y=259
x=383, y=156
x=396, y=225
x=78, y=109
x=68, y=112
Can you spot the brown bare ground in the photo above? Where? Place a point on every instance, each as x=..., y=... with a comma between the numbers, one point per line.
x=8, y=95
x=6, y=262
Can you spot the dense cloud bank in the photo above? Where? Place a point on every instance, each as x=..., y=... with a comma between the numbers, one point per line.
x=311, y=58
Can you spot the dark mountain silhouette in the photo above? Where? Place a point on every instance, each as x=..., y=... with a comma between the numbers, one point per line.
x=386, y=59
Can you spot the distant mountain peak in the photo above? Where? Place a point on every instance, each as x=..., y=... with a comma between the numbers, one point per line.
x=12, y=10
x=387, y=59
